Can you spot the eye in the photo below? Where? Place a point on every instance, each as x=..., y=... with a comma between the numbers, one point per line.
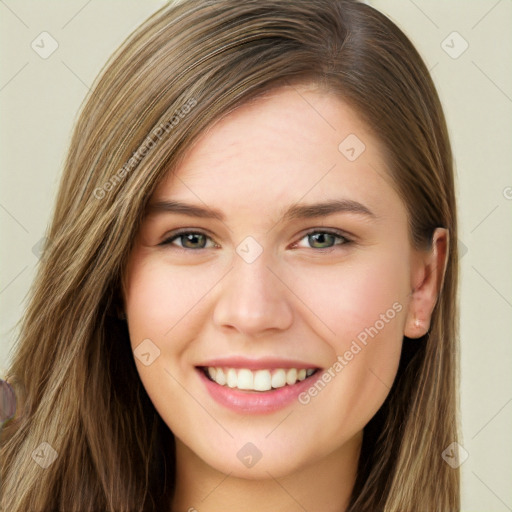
x=189, y=240
x=323, y=239
x=195, y=240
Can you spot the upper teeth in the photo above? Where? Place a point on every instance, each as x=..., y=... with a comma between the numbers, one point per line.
x=258, y=380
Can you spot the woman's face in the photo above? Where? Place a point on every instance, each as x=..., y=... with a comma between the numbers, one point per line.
x=276, y=259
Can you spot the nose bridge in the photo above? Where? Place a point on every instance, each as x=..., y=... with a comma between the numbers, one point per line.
x=252, y=299
x=253, y=278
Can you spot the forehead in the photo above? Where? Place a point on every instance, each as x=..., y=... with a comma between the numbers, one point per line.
x=293, y=144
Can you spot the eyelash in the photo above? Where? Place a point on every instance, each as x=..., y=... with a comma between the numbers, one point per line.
x=339, y=235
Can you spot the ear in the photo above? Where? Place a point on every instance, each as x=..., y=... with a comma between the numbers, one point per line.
x=427, y=278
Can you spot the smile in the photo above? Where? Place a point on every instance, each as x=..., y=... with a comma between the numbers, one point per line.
x=264, y=387
x=257, y=380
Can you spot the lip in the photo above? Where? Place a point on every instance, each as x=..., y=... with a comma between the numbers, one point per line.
x=257, y=402
x=256, y=364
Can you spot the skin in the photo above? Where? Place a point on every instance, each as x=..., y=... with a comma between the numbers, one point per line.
x=295, y=301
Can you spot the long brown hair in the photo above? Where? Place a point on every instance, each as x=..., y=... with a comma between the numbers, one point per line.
x=189, y=64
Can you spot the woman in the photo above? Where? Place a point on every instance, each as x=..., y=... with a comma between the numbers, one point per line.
x=248, y=301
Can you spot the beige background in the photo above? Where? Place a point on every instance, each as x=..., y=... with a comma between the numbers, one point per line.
x=39, y=99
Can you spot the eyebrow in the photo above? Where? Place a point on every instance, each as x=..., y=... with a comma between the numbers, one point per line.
x=296, y=211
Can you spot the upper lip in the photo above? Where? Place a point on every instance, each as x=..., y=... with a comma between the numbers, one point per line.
x=267, y=363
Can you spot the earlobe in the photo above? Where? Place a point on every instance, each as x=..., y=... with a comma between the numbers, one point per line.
x=427, y=279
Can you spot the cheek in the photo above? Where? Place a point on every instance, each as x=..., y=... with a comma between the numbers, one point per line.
x=372, y=291
x=160, y=300
x=364, y=304
x=163, y=305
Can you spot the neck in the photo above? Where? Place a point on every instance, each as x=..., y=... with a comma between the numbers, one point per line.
x=325, y=484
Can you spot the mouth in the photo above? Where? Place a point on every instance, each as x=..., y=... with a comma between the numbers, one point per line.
x=257, y=390
x=261, y=380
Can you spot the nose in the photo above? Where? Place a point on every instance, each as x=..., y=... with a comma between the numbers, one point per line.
x=252, y=299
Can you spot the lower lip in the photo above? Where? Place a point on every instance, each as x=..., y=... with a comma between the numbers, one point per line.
x=257, y=402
